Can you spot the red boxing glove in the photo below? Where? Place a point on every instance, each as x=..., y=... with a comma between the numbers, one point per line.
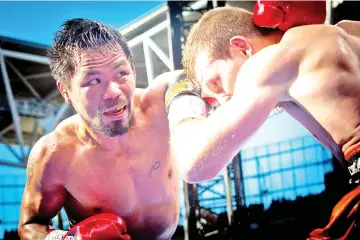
x=99, y=227
x=212, y=102
x=285, y=14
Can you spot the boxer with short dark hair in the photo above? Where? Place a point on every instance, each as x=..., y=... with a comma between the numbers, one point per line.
x=312, y=72
x=110, y=166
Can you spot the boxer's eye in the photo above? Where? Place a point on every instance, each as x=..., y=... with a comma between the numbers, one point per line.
x=94, y=81
x=121, y=74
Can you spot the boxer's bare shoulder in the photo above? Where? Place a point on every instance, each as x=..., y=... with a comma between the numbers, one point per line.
x=44, y=192
x=329, y=75
x=300, y=33
x=52, y=150
x=322, y=36
x=66, y=129
x=350, y=27
x=153, y=96
x=44, y=158
x=325, y=47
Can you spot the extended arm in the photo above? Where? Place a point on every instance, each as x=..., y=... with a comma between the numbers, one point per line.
x=43, y=196
x=205, y=144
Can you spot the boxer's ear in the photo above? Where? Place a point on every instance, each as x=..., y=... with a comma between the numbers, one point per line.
x=63, y=91
x=133, y=69
x=239, y=43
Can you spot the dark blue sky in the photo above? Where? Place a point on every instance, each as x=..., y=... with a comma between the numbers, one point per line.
x=37, y=21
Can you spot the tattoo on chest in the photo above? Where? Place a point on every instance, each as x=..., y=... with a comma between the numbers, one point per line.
x=155, y=166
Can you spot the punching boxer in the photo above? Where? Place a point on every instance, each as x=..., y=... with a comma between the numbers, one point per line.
x=109, y=166
x=311, y=71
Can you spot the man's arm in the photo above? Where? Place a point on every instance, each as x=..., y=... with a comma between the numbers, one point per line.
x=203, y=145
x=43, y=194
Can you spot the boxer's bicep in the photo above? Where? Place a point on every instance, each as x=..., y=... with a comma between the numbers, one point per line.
x=37, y=211
x=185, y=108
x=43, y=197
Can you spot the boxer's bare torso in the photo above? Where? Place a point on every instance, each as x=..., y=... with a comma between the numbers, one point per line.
x=134, y=177
x=324, y=98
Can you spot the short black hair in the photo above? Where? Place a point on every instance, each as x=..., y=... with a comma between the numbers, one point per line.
x=77, y=35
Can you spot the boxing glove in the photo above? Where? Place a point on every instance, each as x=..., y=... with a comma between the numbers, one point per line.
x=287, y=14
x=99, y=227
x=211, y=102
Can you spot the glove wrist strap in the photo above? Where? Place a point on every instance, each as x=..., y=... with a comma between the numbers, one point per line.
x=56, y=235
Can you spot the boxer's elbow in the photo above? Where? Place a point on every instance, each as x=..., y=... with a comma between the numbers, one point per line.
x=197, y=169
x=193, y=148
x=22, y=232
x=189, y=168
x=32, y=231
x=196, y=176
x=201, y=166
x=188, y=163
x=26, y=231
x=32, y=227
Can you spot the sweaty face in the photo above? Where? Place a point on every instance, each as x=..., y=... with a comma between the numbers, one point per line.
x=217, y=76
x=102, y=91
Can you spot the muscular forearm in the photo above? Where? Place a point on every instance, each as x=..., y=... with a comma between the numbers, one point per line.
x=203, y=147
x=39, y=232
